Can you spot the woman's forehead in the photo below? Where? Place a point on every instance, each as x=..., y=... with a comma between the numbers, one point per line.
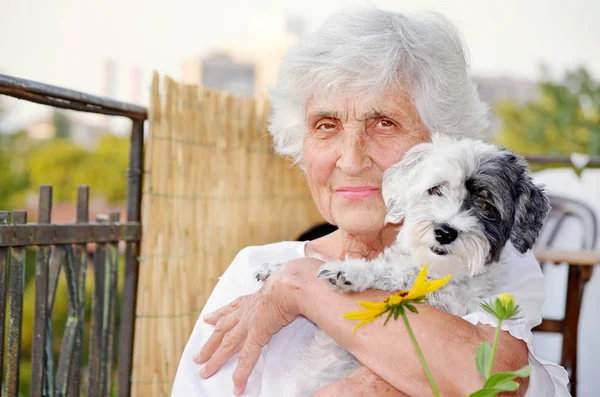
x=389, y=104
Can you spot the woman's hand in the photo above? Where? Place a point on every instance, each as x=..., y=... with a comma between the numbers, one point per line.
x=247, y=324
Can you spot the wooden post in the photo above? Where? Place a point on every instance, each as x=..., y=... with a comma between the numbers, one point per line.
x=80, y=262
x=15, y=312
x=42, y=314
x=4, y=267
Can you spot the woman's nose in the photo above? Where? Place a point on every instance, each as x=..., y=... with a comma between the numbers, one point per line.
x=354, y=157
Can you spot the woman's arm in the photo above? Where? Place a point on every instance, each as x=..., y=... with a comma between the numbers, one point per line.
x=361, y=383
x=448, y=342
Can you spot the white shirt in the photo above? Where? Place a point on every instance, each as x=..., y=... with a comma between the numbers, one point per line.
x=272, y=375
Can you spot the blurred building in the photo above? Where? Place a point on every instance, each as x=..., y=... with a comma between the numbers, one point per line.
x=220, y=71
x=249, y=65
x=41, y=129
x=81, y=133
x=86, y=135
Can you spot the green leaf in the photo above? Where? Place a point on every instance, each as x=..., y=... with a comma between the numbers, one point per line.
x=411, y=308
x=399, y=310
x=388, y=317
x=497, y=379
x=504, y=381
x=523, y=372
x=484, y=393
x=483, y=358
x=488, y=308
x=509, y=385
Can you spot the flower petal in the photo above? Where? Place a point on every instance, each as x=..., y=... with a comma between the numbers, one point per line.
x=364, y=322
x=361, y=315
x=394, y=300
x=422, y=277
x=434, y=285
x=373, y=305
x=419, y=285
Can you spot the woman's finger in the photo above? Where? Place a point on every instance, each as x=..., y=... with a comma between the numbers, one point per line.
x=247, y=360
x=223, y=326
x=232, y=343
x=212, y=318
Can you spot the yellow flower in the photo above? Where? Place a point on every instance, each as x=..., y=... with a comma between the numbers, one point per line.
x=503, y=307
x=400, y=299
x=506, y=299
x=423, y=287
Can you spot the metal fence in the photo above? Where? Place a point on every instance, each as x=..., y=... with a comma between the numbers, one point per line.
x=64, y=247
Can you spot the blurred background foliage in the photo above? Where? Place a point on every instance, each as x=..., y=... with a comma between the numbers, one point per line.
x=563, y=119
x=25, y=164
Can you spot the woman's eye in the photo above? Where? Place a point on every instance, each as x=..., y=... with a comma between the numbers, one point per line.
x=435, y=191
x=326, y=126
x=385, y=123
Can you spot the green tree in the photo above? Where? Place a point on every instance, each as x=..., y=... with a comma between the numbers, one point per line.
x=14, y=172
x=65, y=165
x=5, y=182
x=4, y=174
x=62, y=125
x=105, y=169
x=563, y=119
x=54, y=163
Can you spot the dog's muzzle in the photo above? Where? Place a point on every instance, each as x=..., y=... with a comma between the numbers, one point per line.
x=445, y=234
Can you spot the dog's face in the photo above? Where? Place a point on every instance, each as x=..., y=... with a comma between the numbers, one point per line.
x=461, y=202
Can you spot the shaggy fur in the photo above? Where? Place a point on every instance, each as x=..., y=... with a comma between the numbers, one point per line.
x=462, y=202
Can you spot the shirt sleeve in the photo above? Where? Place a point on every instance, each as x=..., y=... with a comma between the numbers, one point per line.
x=525, y=281
x=236, y=281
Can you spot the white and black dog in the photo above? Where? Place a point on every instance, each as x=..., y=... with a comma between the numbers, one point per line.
x=461, y=203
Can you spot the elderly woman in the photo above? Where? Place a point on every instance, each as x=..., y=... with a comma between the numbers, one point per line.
x=350, y=100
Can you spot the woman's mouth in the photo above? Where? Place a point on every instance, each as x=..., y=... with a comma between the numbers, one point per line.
x=357, y=192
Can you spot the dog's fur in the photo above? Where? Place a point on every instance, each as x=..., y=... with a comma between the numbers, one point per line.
x=461, y=202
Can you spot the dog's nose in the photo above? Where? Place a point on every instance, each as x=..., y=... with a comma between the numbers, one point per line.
x=445, y=234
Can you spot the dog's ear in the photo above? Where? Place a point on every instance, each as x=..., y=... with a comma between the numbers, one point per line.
x=397, y=181
x=531, y=208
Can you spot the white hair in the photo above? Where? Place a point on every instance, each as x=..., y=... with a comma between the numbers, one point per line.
x=369, y=52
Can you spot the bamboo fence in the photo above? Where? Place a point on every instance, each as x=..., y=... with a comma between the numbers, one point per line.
x=212, y=186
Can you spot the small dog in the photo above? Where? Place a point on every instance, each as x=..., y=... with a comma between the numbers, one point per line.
x=461, y=202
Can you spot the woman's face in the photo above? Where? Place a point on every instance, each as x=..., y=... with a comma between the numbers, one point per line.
x=346, y=149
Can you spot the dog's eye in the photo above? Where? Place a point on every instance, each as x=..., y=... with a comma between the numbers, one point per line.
x=486, y=206
x=436, y=190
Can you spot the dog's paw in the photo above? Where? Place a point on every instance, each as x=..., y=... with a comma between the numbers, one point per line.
x=338, y=277
x=265, y=271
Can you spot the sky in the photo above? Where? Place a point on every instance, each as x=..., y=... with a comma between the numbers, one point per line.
x=67, y=42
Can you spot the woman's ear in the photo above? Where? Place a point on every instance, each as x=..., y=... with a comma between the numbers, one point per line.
x=397, y=180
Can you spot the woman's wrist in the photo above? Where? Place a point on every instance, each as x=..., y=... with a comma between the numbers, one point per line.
x=297, y=278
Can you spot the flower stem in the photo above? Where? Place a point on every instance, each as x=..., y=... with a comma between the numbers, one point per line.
x=494, y=348
x=434, y=388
